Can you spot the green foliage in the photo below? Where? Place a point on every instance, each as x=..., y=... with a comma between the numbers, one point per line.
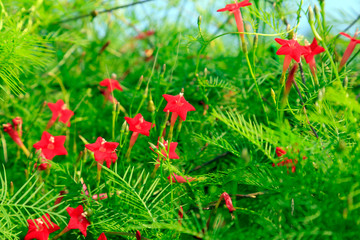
x=51, y=50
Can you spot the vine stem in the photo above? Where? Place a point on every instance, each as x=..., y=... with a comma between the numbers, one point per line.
x=256, y=85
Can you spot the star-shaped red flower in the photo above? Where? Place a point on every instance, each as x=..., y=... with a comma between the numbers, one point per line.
x=139, y=125
x=102, y=237
x=290, y=48
x=234, y=6
x=51, y=146
x=111, y=84
x=40, y=228
x=312, y=50
x=59, y=109
x=78, y=219
x=103, y=151
x=178, y=104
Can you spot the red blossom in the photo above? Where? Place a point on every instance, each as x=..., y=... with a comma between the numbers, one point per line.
x=17, y=122
x=290, y=48
x=138, y=235
x=286, y=162
x=177, y=104
x=78, y=219
x=102, y=237
x=279, y=151
x=8, y=128
x=234, y=6
x=228, y=201
x=350, y=48
x=41, y=228
x=59, y=109
x=103, y=151
x=51, y=146
x=180, y=179
x=312, y=50
x=139, y=125
x=111, y=84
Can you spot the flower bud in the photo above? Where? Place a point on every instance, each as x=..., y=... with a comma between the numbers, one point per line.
x=273, y=95
x=312, y=24
x=151, y=106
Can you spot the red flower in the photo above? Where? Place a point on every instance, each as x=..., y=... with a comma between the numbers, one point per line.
x=51, y=146
x=8, y=128
x=312, y=50
x=309, y=56
x=235, y=9
x=138, y=235
x=180, y=179
x=17, y=122
x=111, y=84
x=172, y=153
x=144, y=35
x=286, y=162
x=102, y=237
x=59, y=109
x=234, y=6
x=178, y=105
x=291, y=49
x=139, y=125
x=228, y=201
x=350, y=48
x=279, y=151
x=41, y=228
x=290, y=80
x=103, y=151
x=78, y=219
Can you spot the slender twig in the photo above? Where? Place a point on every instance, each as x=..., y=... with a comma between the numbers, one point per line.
x=209, y=162
x=302, y=73
x=102, y=11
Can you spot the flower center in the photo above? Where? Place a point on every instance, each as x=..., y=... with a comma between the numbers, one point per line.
x=102, y=149
x=40, y=224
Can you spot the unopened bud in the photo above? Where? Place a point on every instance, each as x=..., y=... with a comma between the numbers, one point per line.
x=245, y=155
x=113, y=76
x=345, y=82
x=199, y=21
x=124, y=127
x=11, y=188
x=273, y=95
x=162, y=145
x=312, y=24
x=151, y=106
x=94, y=13
x=153, y=147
